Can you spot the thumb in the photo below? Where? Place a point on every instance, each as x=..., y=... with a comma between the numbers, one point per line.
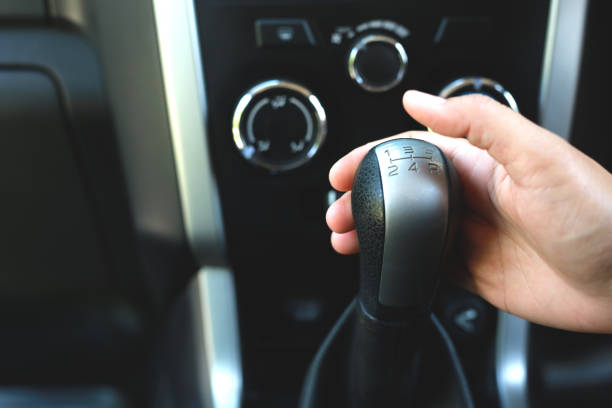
x=518, y=144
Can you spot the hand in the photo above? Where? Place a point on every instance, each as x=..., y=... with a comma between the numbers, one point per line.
x=536, y=234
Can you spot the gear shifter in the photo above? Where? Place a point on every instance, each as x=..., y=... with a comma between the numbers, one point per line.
x=402, y=203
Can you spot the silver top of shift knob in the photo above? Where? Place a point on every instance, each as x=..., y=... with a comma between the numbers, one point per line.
x=415, y=191
x=402, y=204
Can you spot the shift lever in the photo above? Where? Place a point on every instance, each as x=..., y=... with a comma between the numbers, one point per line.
x=402, y=203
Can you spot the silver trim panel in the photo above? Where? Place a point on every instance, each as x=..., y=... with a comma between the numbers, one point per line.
x=560, y=74
x=512, y=344
x=182, y=71
x=213, y=301
x=186, y=103
x=561, y=68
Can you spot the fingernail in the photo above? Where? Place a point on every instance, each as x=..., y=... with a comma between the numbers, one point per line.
x=413, y=97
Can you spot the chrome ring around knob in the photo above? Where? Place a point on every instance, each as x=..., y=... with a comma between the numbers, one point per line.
x=249, y=105
x=477, y=84
x=360, y=46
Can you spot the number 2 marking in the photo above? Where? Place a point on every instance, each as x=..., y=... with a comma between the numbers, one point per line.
x=393, y=170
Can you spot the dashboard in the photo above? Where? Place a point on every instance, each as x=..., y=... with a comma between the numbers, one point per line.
x=165, y=183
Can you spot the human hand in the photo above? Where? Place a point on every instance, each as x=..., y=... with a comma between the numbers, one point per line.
x=536, y=234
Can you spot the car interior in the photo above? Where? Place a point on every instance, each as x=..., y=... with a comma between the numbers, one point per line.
x=164, y=184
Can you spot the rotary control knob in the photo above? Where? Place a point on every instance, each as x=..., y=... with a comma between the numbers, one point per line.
x=279, y=125
x=377, y=62
x=479, y=85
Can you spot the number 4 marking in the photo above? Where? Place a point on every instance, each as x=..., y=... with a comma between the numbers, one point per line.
x=413, y=167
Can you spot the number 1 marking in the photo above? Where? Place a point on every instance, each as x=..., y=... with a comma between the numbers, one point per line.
x=389, y=155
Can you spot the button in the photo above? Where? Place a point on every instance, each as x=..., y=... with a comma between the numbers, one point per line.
x=463, y=30
x=283, y=32
x=466, y=319
x=466, y=316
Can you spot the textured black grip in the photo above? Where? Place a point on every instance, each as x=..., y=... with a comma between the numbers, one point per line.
x=369, y=211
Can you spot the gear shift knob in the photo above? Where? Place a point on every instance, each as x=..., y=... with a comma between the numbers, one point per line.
x=402, y=203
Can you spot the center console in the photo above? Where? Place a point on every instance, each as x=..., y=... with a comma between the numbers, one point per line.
x=292, y=87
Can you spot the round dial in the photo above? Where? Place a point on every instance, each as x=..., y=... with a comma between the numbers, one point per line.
x=480, y=85
x=377, y=62
x=279, y=125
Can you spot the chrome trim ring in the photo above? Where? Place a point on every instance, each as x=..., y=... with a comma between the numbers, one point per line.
x=241, y=139
x=477, y=83
x=364, y=42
